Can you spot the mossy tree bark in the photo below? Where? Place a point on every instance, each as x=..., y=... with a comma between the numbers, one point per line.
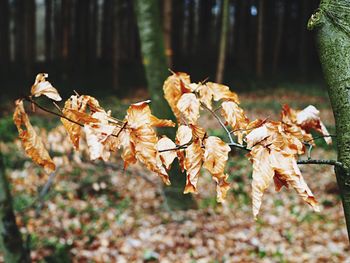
x=10, y=237
x=332, y=23
x=155, y=64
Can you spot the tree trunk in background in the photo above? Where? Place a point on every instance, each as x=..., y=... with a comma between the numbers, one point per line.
x=332, y=23
x=107, y=30
x=29, y=36
x=303, y=47
x=241, y=34
x=167, y=18
x=19, y=32
x=93, y=31
x=223, y=42
x=4, y=36
x=279, y=33
x=66, y=36
x=260, y=40
x=116, y=45
x=154, y=60
x=48, y=30
x=10, y=238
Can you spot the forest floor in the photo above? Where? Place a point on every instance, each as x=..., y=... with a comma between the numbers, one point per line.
x=96, y=212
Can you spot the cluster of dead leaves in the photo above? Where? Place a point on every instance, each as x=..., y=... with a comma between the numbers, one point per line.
x=274, y=146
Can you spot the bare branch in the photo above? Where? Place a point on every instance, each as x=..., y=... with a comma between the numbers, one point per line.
x=220, y=122
x=327, y=162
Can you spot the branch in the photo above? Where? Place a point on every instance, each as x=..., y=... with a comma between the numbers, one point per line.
x=52, y=112
x=67, y=118
x=320, y=137
x=327, y=162
x=221, y=123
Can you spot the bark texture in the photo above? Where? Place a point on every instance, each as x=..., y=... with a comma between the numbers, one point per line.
x=155, y=64
x=332, y=22
x=10, y=237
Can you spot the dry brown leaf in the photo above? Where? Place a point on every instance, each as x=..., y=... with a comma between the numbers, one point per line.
x=167, y=157
x=288, y=172
x=75, y=109
x=96, y=136
x=215, y=155
x=222, y=187
x=214, y=160
x=174, y=86
x=183, y=136
x=222, y=92
x=309, y=118
x=262, y=175
x=281, y=167
x=256, y=135
x=235, y=117
x=144, y=139
x=43, y=87
x=193, y=164
x=205, y=95
x=189, y=105
x=32, y=143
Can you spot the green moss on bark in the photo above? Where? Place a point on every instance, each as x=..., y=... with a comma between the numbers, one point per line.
x=10, y=237
x=155, y=64
x=332, y=23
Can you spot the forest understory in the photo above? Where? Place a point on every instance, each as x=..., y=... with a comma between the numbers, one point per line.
x=96, y=212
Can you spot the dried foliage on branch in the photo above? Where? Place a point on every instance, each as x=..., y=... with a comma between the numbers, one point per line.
x=274, y=147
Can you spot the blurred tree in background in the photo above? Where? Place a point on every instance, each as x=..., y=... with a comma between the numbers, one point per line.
x=99, y=38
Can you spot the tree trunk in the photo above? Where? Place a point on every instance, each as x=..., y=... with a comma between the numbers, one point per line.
x=332, y=22
x=223, y=42
x=154, y=60
x=260, y=40
x=116, y=45
x=278, y=42
x=4, y=36
x=167, y=17
x=10, y=238
x=19, y=31
x=303, y=47
x=48, y=30
x=30, y=36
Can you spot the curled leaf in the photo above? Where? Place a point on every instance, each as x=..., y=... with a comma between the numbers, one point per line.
x=183, y=136
x=235, y=117
x=193, y=163
x=309, y=118
x=214, y=160
x=215, y=155
x=188, y=105
x=43, y=87
x=167, y=157
x=32, y=143
x=222, y=92
x=174, y=86
x=256, y=135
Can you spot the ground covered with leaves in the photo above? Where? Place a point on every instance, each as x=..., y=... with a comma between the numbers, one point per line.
x=96, y=212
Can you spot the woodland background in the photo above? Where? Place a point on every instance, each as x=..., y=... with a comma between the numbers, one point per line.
x=73, y=39
x=100, y=213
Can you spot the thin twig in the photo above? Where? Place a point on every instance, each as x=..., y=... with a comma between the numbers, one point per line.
x=61, y=115
x=220, y=122
x=252, y=128
x=53, y=112
x=178, y=147
x=320, y=137
x=119, y=132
